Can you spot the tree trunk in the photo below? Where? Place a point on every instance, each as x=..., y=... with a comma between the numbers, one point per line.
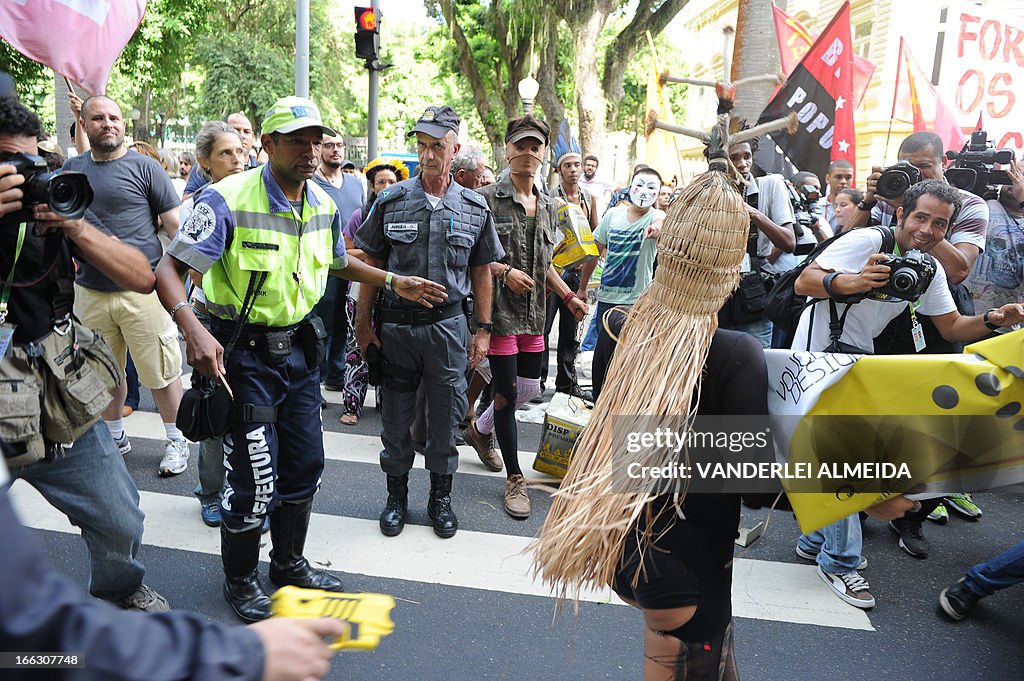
x=62, y=113
x=589, y=97
x=755, y=53
x=627, y=43
x=549, y=76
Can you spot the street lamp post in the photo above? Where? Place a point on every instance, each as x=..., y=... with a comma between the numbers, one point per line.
x=135, y=115
x=528, y=89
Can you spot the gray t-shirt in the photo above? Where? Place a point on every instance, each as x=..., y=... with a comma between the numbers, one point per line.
x=130, y=193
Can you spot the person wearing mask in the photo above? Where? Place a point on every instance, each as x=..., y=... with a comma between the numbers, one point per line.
x=527, y=224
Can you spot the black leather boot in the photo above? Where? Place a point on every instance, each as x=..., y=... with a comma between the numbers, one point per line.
x=392, y=518
x=240, y=554
x=288, y=526
x=439, y=508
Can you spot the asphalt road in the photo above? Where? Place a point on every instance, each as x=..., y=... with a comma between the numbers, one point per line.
x=467, y=610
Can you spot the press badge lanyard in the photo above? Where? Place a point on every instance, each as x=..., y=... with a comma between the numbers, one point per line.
x=7, y=330
x=916, y=331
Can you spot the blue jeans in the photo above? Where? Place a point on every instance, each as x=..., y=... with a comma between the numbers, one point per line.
x=90, y=485
x=590, y=339
x=211, y=453
x=1004, y=570
x=838, y=545
x=760, y=329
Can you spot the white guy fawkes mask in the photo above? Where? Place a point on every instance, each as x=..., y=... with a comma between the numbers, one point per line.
x=644, y=190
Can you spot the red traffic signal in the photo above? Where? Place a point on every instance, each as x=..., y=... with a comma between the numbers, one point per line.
x=367, y=19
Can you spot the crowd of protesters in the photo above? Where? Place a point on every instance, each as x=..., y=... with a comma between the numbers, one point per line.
x=458, y=291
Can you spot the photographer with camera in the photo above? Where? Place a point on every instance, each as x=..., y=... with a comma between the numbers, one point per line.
x=998, y=276
x=771, y=224
x=862, y=289
x=40, y=232
x=920, y=158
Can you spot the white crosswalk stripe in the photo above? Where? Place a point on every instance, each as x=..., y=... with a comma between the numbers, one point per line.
x=767, y=590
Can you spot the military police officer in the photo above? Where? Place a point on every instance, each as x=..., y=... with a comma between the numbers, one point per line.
x=263, y=241
x=431, y=227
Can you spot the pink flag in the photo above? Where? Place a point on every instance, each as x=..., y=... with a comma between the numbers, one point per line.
x=915, y=100
x=79, y=39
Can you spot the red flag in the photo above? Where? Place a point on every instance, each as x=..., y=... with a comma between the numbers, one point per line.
x=820, y=92
x=916, y=101
x=79, y=39
x=794, y=41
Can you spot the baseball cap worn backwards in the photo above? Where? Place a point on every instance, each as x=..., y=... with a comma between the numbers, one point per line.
x=527, y=126
x=437, y=121
x=294, y=113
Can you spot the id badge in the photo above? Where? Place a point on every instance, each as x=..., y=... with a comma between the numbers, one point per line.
x=6, y=335
x=918, y=333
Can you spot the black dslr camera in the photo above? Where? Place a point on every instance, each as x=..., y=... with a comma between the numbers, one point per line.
x=974, y=168
x=67, y=193
x=897, y=179
x=806, y=212
x=909, y=276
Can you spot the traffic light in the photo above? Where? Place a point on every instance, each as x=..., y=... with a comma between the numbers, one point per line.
x=367, y=33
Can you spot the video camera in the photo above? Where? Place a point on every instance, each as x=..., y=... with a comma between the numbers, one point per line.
x=67, y=193
x=897, y=179
x=806, y=213
x=909, y=276
x=974, y=167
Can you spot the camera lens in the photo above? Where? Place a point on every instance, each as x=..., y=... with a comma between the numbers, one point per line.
x=68, y=194
x=904, y=279
x=892, y=184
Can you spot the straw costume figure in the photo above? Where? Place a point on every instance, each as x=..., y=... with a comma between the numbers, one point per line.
x=656, y=372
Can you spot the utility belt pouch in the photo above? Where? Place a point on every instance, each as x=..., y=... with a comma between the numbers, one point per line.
x=750, y=299
x=21, y=388
x=277, y=345
x=314, y=340
x=79, y=373
x=375, y=365
x=469, y=308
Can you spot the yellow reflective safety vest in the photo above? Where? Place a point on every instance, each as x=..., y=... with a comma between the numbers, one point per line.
x=296, y=252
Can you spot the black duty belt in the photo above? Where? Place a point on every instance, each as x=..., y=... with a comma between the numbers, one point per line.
x=392, y=315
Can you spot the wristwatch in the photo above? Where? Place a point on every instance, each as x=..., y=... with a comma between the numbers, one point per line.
x=485, y=326
x=389, y=281
x=866, y=205
x=989, y=325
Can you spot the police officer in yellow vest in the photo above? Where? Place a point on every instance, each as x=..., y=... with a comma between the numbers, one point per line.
x=266, y=237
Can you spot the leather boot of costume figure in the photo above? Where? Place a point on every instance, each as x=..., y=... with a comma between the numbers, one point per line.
x=240, y=554
x=392, y=518
x=712, y=660
x=289, y=523
x=439, y=508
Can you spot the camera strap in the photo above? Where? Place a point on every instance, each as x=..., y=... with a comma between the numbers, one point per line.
x=5, y=292
x=7, y=330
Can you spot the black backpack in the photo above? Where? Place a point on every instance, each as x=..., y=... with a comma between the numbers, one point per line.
x=784, y=306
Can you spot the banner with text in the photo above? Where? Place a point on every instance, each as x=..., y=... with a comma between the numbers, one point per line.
x=982, y=72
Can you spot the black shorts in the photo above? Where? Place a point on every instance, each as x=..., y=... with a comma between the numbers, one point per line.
x=689, y=564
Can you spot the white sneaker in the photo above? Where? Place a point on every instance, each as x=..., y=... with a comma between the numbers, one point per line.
x=175, y=459
x=850, y=587
x=124, y=445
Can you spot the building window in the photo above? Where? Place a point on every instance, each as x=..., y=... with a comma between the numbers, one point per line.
x=862, y=39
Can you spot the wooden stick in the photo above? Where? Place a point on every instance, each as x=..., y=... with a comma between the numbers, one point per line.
x=790, y=122
x=653, y=123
